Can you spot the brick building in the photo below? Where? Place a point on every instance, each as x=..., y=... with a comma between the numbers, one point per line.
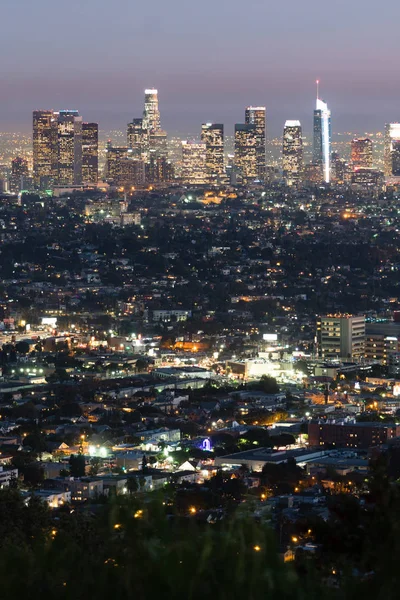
x=351, y=435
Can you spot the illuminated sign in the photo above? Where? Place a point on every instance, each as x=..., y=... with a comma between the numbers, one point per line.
x=270, y=337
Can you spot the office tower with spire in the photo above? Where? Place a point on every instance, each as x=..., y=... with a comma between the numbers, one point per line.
x=392, y=150
x=361, y=153
x=194, y=160
x=212, y=135
x=255, y=115
x=69, y=148
x=292, y=152
x=155, y=138
x=246, y=152
x=90, y=153
x=44, y=148
x=322, y=137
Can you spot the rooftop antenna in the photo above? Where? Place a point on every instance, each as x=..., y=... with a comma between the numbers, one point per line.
x=317, y=82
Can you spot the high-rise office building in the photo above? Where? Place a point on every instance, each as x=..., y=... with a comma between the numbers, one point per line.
x=341, y=336
x=246, y=151
x=340, y=170
x=392, y=150
x=90, y=152
x=44, y=148
x=157, y=142
x=151, y=114
x=212, y=135
x=292, y=152
x=194, y=161
x=137, y=138
x=255, y=115
x=122, y=169
x=322, y=137
x=361, y=153
x=19, y=174
x=69, y=148
x=159, y=169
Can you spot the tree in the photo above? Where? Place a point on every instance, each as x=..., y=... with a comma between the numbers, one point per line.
x=36, y=441
x=268, y=385
x=283, y=439
x=22, y=347
x=141, y=365
x=133, y=485
x=77, y=465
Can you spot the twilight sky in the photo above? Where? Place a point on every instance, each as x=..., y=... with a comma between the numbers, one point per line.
x=208, y=59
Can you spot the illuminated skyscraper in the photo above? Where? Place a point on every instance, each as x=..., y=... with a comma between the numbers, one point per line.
x=292, y=152
x=322, y=137
x=69, y=148
x=361, y=153
x=137, y=138
x=392, y=150
x=151, y=114
x=159, y=169
x=212, y=135
x=90, y=152
x=255, y=115
x=19, y=174
x=122, y=168
x=194, y=171
x=246, y=151
x=157, y=142
x=44, y=148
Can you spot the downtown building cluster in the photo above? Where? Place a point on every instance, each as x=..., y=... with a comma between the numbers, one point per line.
x=66, y=154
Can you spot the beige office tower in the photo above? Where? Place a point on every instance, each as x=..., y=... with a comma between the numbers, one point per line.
x=44, y=148
x=292, y=152
x=212, y=135
x=194, y=171
x=255, y=115
x=341, y=336
x=69, y=148
x=246, y=152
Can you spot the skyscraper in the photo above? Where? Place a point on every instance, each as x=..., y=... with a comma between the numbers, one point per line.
x=246, y=151
x=157, y=142
x=292, y=152
x=19, y=174
x=122, y=168
x=151, y=113
x=69, y=148
x=322, y=137
x=194, y=170
x=392, y=150
x=90, y=152
x=44, y=148
x=137, y=138
x=159, y=169
x=255, y=115
x=212, y=135
x=361, y=153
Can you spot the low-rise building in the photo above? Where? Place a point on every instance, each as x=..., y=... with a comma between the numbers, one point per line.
x=349, y=434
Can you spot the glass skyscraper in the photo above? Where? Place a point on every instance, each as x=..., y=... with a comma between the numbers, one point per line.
x=322, y=138
x=255, y=115
x=292, y=152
